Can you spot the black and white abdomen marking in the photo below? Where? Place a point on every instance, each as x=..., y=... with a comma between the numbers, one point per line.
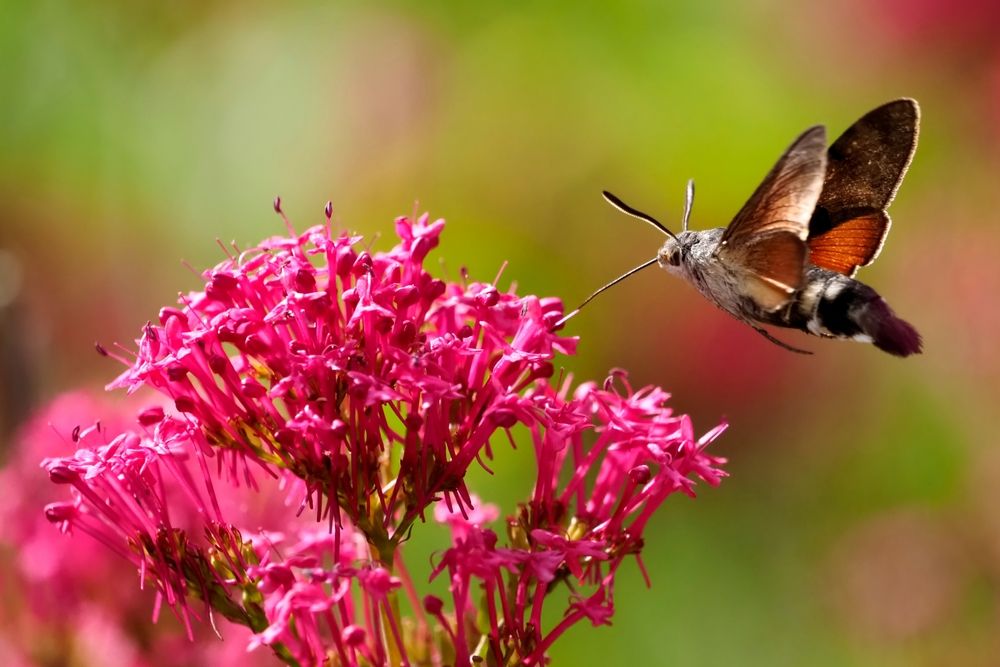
x=826, y=302
x=835, y=306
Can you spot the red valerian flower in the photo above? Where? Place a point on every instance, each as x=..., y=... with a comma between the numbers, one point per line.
x=65, y=600
x=366, y=388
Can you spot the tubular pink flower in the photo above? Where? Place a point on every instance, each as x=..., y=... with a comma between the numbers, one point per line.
x=66, y=597
x=319, y=367
x=624, y=452
x=364, y=388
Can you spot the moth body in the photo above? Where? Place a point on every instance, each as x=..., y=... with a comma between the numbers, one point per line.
x=827, y=304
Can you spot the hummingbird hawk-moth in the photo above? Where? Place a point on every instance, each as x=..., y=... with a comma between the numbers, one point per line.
x=789, y=256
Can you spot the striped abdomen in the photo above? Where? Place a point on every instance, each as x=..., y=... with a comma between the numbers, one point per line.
x=835, y=306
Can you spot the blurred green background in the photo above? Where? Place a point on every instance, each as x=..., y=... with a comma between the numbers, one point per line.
x=861, y=524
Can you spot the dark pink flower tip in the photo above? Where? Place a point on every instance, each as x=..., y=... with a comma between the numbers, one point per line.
x=640, y=474
x=60, y=473
x=503, y=418
x=185, y=404
x=354, y=635
x=433, y=605
x=60, y=512
x=150, y=416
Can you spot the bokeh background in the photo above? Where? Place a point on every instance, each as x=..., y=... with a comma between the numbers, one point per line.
x=861, y=524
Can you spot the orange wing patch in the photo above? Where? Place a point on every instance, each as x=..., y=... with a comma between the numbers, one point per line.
x=850, y=244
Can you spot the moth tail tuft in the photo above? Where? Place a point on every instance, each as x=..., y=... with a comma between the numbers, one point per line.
x=889, y=333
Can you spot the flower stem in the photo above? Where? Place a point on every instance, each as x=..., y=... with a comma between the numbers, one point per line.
x=383, y=551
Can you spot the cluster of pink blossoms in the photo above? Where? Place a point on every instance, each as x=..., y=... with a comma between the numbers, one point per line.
x=66, y=601
x=366, y=388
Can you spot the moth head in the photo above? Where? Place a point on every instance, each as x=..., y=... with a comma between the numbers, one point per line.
x=670, y=255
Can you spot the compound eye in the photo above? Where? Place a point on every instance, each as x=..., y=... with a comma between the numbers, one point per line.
x=675, y=258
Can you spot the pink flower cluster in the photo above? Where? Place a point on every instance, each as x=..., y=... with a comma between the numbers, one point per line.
x=65, y=601
x=366, y=388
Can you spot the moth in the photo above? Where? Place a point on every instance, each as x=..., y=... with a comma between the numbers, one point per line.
x=789, y=257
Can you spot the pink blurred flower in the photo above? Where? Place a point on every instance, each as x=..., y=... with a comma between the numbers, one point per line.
x=956, y=38
x=364, y=389
x=463, y=519
x=922, y=24
x=66, y=600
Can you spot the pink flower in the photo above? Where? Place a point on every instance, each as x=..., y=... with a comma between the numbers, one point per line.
x=363, y=389
x=307, y=355
x=67, y=598
x=581, y=530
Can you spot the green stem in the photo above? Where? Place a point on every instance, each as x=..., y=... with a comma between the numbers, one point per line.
x=383, y=550
x=395, y=651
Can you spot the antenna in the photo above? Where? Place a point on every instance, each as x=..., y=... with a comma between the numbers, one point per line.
x=636, y=213
x=645, y=217
x=688, y=203
x=606, y=287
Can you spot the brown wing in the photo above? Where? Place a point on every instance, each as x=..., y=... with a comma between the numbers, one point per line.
x=865, y=166
x=767, y=237
x=774, y=262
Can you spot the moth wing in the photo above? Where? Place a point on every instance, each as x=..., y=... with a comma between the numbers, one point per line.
x=788, y=194
x=853, y=242
x=766, y=240
x=864, y=168
x=773, y=264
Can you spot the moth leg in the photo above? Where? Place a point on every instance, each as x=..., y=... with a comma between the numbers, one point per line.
x=779, y=343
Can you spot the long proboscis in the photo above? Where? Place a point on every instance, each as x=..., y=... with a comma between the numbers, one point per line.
x=614, y=282
x=645, y=217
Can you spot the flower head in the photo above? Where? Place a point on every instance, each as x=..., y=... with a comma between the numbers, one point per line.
x=365, y=388
x=312, y=356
